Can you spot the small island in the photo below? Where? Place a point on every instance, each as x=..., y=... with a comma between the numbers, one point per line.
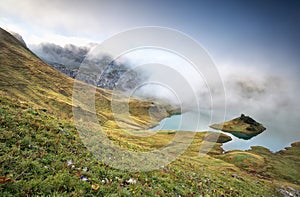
x=243, y=127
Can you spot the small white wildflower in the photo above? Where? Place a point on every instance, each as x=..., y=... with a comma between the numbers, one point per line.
x=70, y=162
x=131, y=181
x=85, y=169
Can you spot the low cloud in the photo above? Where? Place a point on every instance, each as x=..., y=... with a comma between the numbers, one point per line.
x=69, y=55
x=256, y=89
x=249, y=90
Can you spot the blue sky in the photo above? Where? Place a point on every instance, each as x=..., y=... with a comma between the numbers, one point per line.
x=248, y=32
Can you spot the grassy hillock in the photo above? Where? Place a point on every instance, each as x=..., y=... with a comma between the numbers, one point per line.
x=41, y=153
x=242, y=127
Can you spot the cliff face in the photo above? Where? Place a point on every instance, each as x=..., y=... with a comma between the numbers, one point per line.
x=242, y=127
x=69, y=58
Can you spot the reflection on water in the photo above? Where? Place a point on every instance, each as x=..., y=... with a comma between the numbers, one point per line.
x=280, y=132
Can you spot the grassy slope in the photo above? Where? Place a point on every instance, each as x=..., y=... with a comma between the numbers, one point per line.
x=35, y=145
x=24, y=76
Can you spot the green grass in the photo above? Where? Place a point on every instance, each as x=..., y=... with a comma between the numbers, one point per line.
x=36, y=145
x=38, y=137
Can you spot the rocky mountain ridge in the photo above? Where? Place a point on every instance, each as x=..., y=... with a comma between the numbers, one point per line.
x=69, y=58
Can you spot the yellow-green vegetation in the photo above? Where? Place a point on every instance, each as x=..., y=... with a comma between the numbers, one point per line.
x=242, y=127
x=281, y=167
x=24, y=76
x=218, y=137
x=41, y=153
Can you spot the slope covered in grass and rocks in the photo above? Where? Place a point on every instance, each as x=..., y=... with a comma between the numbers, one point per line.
x=42, y=154
x=26, y=77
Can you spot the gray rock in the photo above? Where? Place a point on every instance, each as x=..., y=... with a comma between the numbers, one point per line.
x=102, y=72
x=18, y=37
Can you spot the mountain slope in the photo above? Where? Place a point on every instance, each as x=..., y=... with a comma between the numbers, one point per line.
x=26, y=77
x=41, y=153
x=23, y=75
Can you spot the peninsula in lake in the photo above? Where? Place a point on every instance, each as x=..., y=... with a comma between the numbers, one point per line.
x=243, y=127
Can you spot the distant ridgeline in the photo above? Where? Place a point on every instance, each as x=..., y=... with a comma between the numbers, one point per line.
x=69, y=58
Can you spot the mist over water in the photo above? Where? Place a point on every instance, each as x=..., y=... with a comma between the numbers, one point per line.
x=169, y=77
x=268, y=96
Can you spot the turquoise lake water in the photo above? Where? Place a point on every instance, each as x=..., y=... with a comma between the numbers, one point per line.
x=280, y=132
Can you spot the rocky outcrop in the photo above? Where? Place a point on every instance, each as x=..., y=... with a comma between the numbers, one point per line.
x=18, y=37
x=104, y=72
x=243, y=127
